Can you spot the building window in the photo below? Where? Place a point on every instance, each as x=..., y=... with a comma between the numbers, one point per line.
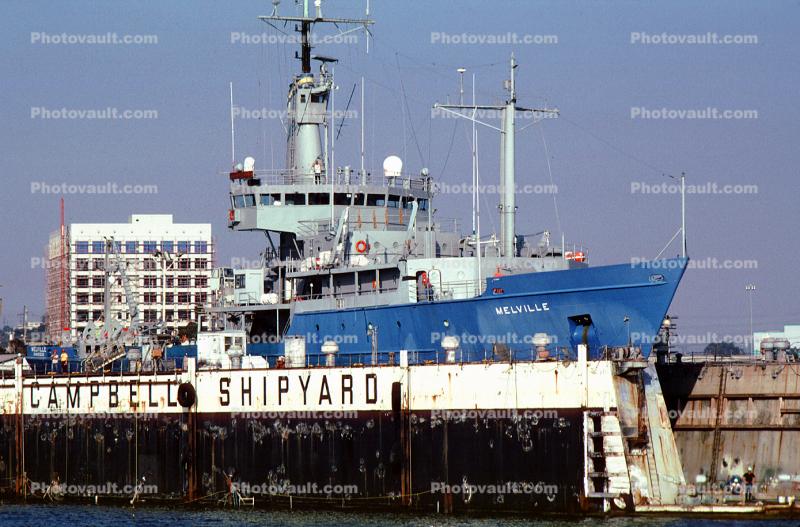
x=150, y=247
x=130, y=247
x=149, y=265
x=168, y=247
x=82, y=316
x=97, y=264
x=82, y=298
x=97, y=298
x=239, y=282
x=183, y=281
x=149, y=282
x=183, y=247
x=169, y=298
x=82, y=264
x=82, y=247
x=200, y=247
x=183, y=314
x=82, y=281
x=98, y=247
x=184, y=298
x=184, y=263
x=150, y=315
x=97, y=314
x=201, y=263
x=200, y=298
x=201, y=281
x=170, y=282
x=169, y=315
x=150, y=298
x=99, y=281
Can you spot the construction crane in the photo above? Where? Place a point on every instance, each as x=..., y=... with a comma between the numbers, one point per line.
x=102, y=346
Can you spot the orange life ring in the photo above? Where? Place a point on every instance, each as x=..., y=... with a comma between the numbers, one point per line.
x=231, y=215
x=361, y=246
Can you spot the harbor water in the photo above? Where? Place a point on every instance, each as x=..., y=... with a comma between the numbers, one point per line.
x=101, y=516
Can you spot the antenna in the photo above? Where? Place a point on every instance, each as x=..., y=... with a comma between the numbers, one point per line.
x=363, y=173
x=683, y=213
x=233, y=135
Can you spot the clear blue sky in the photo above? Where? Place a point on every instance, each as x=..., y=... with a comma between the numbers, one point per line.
x=594, y=75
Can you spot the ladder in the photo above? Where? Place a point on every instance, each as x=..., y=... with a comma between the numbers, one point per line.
x=605, y=469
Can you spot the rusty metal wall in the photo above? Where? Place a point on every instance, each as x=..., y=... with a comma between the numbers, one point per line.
x=388, y=458
x=728, y=416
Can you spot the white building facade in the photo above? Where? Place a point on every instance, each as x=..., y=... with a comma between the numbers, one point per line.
x=168, y=267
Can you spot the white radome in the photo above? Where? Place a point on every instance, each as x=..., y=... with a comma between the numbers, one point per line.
x=392, y=166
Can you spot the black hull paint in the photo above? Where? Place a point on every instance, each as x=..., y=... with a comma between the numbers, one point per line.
x=375, y=460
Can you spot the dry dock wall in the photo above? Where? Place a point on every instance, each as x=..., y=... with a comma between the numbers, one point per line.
x=727, y=416
x=438, y=437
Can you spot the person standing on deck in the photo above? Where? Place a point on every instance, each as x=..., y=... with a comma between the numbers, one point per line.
x=64, y=361
x=318, y=171
x=54, y=360
x=749, y=479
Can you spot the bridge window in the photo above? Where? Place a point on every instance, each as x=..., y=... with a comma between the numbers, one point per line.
x=249, y=200
x=295, y=199
x=270, y=199
x=408, y=202
x=423, y=204
x=341, y=199
x=376, y=200
x=394, y=202
x=238, y=201
x=358, y=200
x=319, y=198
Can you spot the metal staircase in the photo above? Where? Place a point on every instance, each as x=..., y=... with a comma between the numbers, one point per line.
x=606, y=472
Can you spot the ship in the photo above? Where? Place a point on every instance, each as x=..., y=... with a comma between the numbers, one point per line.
x=378, y=359
x=361, y=260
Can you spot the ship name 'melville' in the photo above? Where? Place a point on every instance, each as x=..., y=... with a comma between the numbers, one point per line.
x=522, y=308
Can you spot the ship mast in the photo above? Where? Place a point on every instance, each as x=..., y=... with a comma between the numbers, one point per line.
x=507, y=131
x=308, y=97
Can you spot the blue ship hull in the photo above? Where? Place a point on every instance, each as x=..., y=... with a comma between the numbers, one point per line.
x=602, y=306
